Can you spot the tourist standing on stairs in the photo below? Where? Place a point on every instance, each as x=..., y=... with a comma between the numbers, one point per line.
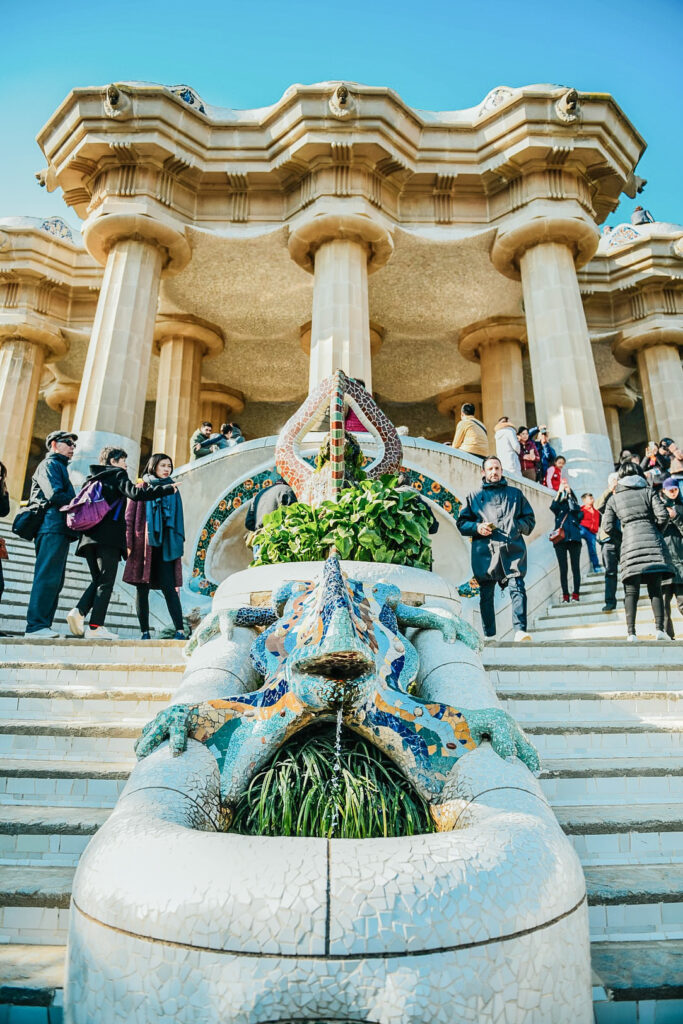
x=529, y=454
x=198, y=447
x=567, y=511
x=508, y=446
x=497, y=517
x=104, y=544
x=155, y=535
x=51, y=488
x=470, y=434
x=611, y=547
x=4, y=511
x=590, y=524
x=643, y=558
x=672, y=532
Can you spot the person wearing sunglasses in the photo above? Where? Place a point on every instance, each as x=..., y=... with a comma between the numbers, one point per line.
x=51, y=488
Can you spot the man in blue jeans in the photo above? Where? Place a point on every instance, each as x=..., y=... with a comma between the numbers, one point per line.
x=50, y=489
x=497, y=517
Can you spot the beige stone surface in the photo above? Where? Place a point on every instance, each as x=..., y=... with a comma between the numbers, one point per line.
x=661, y=376
x=21, y=364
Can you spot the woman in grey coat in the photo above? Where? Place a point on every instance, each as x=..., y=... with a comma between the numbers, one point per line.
x=643, y=558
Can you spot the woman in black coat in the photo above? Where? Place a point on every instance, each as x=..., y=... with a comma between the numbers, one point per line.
x=568, y=516
x=672, y=533
x=104, y=544
x=643, y=558
x=4, y=511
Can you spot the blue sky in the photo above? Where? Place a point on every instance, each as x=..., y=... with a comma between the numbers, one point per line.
x=438, y=56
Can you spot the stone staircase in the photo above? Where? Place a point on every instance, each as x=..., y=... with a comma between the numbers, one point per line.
x=607, y=718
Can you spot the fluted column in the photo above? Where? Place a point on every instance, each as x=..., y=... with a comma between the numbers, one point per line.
x=136, y=250
x=614, y=398
x=340, y=250
x=219, y=404
x=544, y=251
x=497, y=345
x=182, y=343
x=656, y=342
x=62, y=396
x=23, y=347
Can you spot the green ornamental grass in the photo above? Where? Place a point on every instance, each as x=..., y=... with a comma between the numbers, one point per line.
x=295, y=795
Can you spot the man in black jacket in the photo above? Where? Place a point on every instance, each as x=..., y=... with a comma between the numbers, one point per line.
x=497, y=517
x=50, y=489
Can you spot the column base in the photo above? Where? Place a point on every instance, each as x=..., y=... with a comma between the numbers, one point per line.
x=91, y=443
x=589, y=461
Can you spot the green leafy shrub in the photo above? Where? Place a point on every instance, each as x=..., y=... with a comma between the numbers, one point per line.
x=374, y=521
x=296, y=794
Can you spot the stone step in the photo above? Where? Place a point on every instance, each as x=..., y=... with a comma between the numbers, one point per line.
x=50, y=782
x=17, y=650
x=640, y=971
x=637, y=705
x=79, y=702
x=96, y=676
x=44, y=835
x=604, y=738
x=589, y=682
x=574, y=615
x=15, y=615
x=18, y=589
x=585, y=653
x=599, y=630
x=64, y=738
x=632, y=785
x=32, y=976
x=630, y=900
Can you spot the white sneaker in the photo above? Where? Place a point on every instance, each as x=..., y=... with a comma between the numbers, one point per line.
x=75, y=622
x=42, y=634
x=521, y=635
x=632, y=638
x=101, y=633
x=661, y=635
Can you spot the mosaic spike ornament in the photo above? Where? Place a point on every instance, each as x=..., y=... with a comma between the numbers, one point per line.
x=336, y=644
x=333, y=393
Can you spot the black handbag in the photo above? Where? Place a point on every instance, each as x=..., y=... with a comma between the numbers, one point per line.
x=27, y=522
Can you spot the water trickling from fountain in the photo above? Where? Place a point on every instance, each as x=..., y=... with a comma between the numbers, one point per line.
x=336, y=774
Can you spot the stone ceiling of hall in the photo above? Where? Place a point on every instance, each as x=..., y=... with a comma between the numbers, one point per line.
x=251, y=288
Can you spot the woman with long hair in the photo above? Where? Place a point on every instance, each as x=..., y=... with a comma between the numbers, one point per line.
x=4, y=511
x=155, y=535
x=641, y=514
x=568, y=517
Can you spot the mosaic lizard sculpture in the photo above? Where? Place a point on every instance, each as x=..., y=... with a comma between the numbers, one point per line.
x=332, y=645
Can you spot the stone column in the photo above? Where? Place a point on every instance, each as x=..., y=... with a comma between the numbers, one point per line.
x=181, y=343
x=656, y=344
x=62, y=396
x=219, y=404
x=497, y=345
x=614, y=398
x=451, y=403
x=136, y=250
x=23, y=348
x=340, y=250
x=544, y=252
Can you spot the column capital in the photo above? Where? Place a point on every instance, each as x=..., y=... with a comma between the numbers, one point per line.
x=220, y=394
x=192, y=328
x=123, y=223
x=647, y=333
x=376, y=337
x=491, y=331
x=20, y=327
x=360, y=225
x=538, y=225
x=61, y=392
x=618, y=396
x=451, y=401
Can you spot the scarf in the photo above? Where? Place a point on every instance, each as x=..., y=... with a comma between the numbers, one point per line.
x=165, y=524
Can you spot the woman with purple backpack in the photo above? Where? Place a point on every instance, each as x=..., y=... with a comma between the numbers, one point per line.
x=103, y=544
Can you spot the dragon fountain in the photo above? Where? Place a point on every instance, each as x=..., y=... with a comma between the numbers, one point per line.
x=177, y=918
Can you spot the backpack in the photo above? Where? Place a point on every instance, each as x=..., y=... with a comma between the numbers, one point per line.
x=88, y=508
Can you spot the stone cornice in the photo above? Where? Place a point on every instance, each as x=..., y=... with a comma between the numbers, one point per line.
x=187, y=147
x=28, y=248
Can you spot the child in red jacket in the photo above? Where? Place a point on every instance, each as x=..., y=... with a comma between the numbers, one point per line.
x=590, y=524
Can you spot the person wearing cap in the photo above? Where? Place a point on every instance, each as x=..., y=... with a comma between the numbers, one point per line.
x=672, y=535
x=51, y=488
x=548, y=454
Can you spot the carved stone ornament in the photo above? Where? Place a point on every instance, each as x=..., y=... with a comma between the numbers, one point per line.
x=633, y=185
x=47, y=178
x=568, y=108
x=677, y=248
x=117, y=104
x=189, y=96
x=501, y=94
x=57, y=227
x=342, y=104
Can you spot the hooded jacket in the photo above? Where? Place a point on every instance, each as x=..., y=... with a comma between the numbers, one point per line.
x=503, y=554
x=672, y=533
x=50, y=489
x=641, y=514
x=116, y=487
x=507, y=450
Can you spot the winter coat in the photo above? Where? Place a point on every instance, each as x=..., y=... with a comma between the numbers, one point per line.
x=590, y=518
x=267, y=501
x=471, y=436
x=548, y=456
x=138, y=568
x=672, y=534
x=116, y=487
x=529, y=455
x=567, y=513
x=507, y=450
x=51, y=488
x=4, y=503
x=503, y=554
x=198, y=438
x=640, y=512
